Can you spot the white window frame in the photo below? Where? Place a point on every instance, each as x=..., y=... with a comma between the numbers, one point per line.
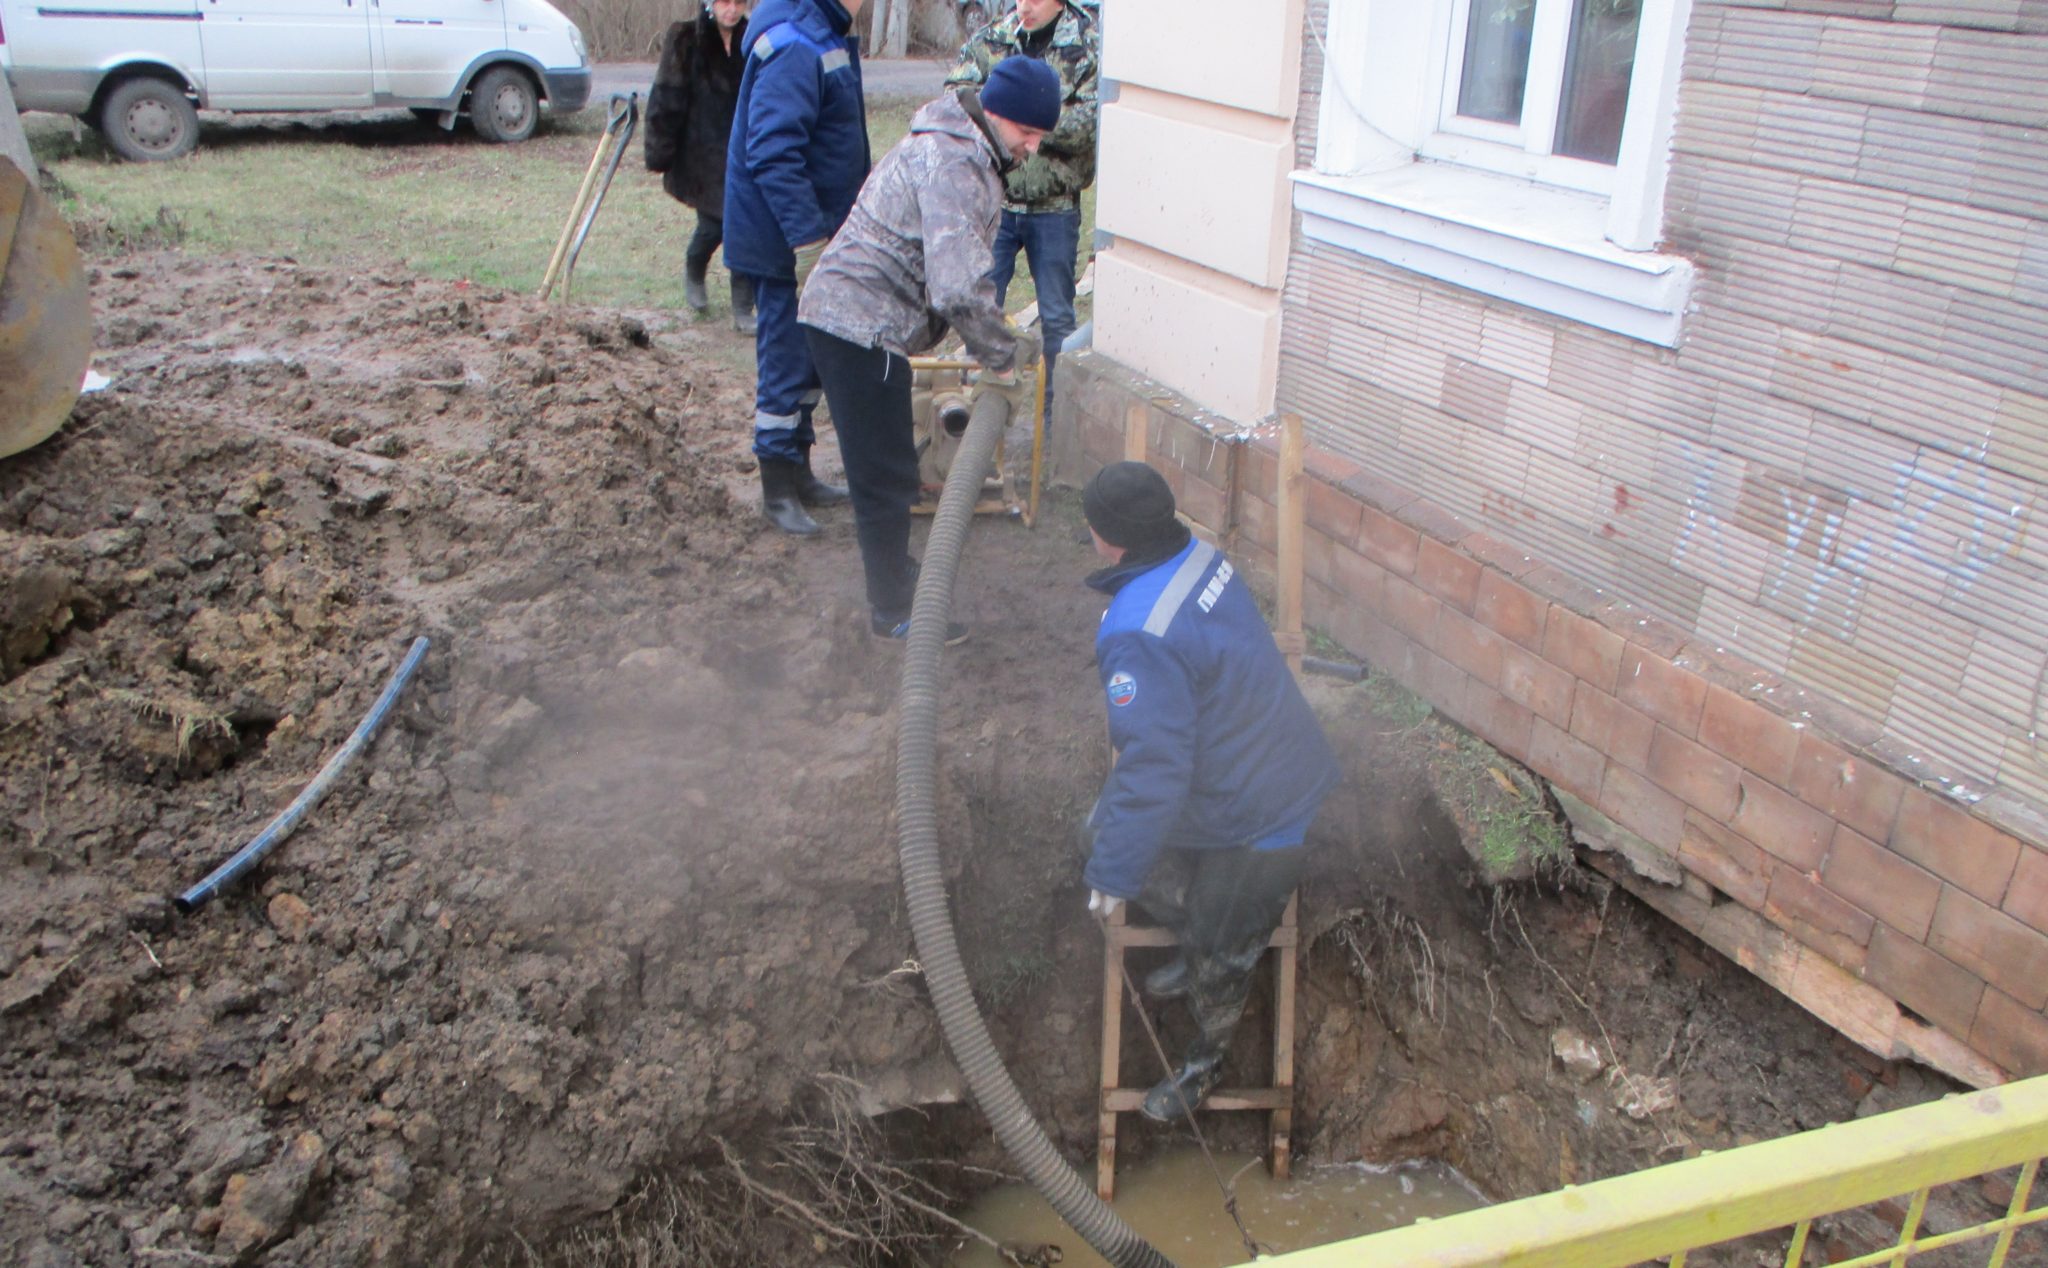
x=1521, y=149
x=1392, y=181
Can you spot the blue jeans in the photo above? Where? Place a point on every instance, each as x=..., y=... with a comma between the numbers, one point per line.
x=1051, y=242
x=785, y=383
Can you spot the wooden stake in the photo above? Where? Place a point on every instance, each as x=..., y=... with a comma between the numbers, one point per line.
x=1293, y=508
x=1112, y=1053
x=1137, y=421
x=1280, y=1125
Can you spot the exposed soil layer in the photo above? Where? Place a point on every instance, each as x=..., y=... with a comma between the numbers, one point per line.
x=618, y=881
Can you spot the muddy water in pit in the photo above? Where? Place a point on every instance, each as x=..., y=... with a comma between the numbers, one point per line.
x=1173, y=1202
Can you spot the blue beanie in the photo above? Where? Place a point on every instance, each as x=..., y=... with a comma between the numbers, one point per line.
x=1025, y=91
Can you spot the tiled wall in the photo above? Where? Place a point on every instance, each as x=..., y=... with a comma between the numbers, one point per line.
x=1775, y=601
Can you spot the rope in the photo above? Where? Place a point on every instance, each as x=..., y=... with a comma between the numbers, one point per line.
x=1251, y=1245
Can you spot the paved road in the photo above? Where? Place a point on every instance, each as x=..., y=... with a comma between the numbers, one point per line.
x=894, y=77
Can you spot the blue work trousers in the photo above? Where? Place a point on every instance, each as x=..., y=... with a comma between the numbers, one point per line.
x=1051, y=242
x=785, y=383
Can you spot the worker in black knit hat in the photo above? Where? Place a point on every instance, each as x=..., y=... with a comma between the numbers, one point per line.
x=1220, y=763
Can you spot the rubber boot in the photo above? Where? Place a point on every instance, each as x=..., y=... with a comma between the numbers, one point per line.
x=1169, y=980
x=812, y=491
x=779, y=502
x=694, y=293
x=743, y=303
x=1174, y=1099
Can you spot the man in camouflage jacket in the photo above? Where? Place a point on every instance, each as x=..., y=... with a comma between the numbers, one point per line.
x=1042, y=195
x=912, y=262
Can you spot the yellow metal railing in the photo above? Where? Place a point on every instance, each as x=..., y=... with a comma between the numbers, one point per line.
x=1779, y=1185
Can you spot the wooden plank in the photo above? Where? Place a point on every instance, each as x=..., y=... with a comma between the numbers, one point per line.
x=1281, y=1124
x=1154, y=936
x=1126, y=1099
x=1112, y=1052
x=1292, y=501
x=1137, y=425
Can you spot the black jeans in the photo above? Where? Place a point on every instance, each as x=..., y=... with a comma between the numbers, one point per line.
x=1224, y=906
x=869, y=392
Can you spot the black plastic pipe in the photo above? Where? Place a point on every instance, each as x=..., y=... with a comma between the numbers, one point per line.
x=302, y=805
x=924, y=884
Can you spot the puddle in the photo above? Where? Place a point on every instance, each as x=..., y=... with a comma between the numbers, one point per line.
x=1173, y=1202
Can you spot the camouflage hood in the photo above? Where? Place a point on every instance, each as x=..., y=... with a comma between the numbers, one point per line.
x=913, y=258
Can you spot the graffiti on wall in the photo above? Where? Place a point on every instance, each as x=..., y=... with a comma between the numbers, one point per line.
x=1943, y=522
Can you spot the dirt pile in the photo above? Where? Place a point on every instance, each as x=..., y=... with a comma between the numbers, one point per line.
x=618, y=884
x=547, y=933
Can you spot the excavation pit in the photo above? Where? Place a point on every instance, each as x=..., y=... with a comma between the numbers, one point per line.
x=607, y=926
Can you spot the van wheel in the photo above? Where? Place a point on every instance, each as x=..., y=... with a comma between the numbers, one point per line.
x=503, y=105
x=149, y=120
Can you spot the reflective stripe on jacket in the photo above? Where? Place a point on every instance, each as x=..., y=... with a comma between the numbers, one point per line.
x=799, y=149
x=1216, y=746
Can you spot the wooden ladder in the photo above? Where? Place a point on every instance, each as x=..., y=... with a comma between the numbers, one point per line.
x=1277, y=1100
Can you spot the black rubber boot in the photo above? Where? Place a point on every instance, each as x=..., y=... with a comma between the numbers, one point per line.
x=779, y=501
x=1173, y=1100
x=743, y=303
x=1169, y=980
x=694, y=293
x=812, y=491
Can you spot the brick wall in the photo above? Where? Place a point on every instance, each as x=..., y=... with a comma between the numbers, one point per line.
x=1782, y=842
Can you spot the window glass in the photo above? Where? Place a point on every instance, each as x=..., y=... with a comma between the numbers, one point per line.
x=1599, y=59
x=1496, y=59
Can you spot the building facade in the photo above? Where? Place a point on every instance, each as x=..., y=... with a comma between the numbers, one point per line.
x=1677, y=381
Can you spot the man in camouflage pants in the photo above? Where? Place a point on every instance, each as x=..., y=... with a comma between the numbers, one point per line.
x=1042, y=195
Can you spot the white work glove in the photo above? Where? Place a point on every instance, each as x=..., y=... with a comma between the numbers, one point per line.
x=807, y=257
x=1102, y=906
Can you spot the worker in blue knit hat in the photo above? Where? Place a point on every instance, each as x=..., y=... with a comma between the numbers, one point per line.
x=1042, y=195
x=910, y=264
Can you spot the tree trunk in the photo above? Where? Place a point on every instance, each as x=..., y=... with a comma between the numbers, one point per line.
x=892, y=27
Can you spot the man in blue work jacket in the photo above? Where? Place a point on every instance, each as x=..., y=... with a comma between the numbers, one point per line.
x=798, y=155
x=1220, y=763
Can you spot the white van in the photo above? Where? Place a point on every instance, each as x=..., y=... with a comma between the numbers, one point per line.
x=140, y=70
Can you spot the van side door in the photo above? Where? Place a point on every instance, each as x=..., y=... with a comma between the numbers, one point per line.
x=428, y=45
x=286, y=54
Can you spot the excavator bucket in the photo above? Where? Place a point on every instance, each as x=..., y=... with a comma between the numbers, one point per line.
x=45, y=320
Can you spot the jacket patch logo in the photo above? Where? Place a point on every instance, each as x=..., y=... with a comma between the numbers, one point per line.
x=1122, y=689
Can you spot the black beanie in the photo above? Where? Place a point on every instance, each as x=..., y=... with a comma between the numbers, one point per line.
x=1128, y=504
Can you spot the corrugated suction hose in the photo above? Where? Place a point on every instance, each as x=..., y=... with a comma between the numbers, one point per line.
x=924, y=886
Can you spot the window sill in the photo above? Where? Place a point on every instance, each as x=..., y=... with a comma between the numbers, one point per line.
x=1531, y=244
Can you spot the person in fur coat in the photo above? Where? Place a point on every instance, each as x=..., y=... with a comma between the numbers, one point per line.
x=689, y=121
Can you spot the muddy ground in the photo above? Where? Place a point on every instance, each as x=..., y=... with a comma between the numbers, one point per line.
x=615, y=892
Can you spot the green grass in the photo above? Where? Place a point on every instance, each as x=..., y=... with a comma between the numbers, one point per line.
x=386, y=192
